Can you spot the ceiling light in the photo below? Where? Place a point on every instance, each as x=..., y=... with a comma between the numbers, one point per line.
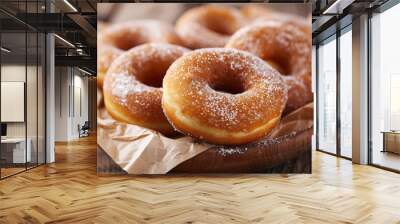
x=70, y=5
x=84, y=71
x=337, y=7
x=65, y=41
x=5, y=50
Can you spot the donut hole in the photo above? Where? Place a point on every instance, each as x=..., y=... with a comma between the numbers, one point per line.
x=231, y=86
x=152, y=75
x=221, y=25
x=219, y=28
x=149, y=81
x=127, y=43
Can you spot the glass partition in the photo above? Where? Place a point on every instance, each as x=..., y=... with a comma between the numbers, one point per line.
x=41, y=97
x=31, y=97
x=15, y=152
x=22, y=77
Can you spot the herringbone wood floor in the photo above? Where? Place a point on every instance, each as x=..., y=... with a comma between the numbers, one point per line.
x=69, y=191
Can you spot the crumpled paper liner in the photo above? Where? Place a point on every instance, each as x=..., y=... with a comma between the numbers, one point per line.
x=138, y=150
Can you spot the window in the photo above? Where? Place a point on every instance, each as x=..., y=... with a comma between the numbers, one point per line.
x=327, y=96
x=385, y=89
x=346, y=95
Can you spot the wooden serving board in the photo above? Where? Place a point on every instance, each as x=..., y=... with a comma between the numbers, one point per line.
x=289, y=154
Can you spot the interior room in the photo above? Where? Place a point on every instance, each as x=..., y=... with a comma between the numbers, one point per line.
x=334, y=102
x=385, y=123
x=47, y=84
x=23, y=99
x=49, y=151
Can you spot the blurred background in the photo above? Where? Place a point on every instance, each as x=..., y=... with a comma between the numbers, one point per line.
x=169, y=12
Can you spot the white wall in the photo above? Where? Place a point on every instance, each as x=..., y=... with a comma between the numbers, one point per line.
x=70, y=84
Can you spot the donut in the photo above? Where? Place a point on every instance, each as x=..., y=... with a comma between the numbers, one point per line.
x=105, y=56
x=101, y=26
x=285, y=46
x=254, y=11
x=223, y=96
x=296, y=21
x=132, y=87
x=259, y=14
x=133, y=33
x=208, y=26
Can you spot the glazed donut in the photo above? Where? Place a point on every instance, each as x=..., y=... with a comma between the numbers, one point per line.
x=208, y=26
x=130, y=34
x=223, y=96
x=105, y=56
x=132, y=86
x=285, y=45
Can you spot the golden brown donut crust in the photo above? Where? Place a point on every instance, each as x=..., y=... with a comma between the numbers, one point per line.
x=259, y=14
x=208, y=26
x=133, y=33
x=223, y=96
x=132, y=86
x=286, y=45
x=105, y=56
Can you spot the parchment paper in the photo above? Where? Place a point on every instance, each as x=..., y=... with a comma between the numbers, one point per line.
x=142, y=151
x=138, y=150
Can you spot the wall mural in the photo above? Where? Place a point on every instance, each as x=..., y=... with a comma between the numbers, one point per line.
x=204, y=88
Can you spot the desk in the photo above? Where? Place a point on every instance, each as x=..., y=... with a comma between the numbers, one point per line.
x=13, y=150
x=391, y=141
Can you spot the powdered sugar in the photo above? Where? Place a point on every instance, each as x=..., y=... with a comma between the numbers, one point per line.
x=125, y=84
x=231, y=151
x=263, y=96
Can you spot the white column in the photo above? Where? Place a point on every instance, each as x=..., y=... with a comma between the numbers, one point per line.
x=360, y=90
x=50, y=99
x=50, y=92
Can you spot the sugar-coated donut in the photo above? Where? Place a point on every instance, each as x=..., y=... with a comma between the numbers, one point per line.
x=101, y=26
x=254, y=11
x=132, y=86
x=284, y=44
x=299, y=22
x=223, y=96
x=133, y=33
x=208, y=26
x=105, y=56
x=259, y=13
